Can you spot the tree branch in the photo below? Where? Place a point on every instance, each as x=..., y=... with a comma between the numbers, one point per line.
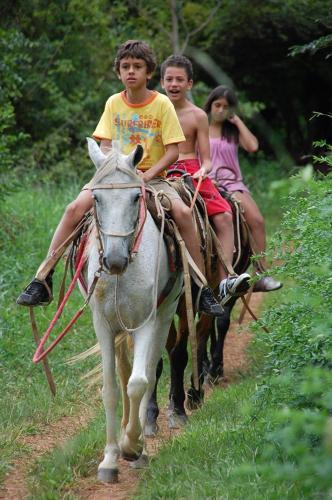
x=175, y=27
x=202, y=26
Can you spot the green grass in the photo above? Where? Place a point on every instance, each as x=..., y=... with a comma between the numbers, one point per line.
x=25, y=401
x=206, y=460
x=54, y=474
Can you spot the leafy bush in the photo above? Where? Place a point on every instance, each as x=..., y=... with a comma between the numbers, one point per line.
x=297, y=379
x=12, y=56
x=299, y=321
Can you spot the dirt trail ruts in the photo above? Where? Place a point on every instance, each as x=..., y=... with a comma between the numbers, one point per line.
x=53, y=435
x=56, y=434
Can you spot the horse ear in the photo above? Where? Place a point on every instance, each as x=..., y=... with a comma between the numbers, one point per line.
x=95, y=153
x=136, y=156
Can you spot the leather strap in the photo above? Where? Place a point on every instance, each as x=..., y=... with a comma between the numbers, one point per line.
x=189, y=307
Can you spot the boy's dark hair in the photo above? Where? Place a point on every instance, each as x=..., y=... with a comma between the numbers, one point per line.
x=229, y=130
x=177, y=61
x=137, y=49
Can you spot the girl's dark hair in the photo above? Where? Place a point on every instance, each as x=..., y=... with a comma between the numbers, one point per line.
x=228, y=129
x=177, y=61
x=137, y=49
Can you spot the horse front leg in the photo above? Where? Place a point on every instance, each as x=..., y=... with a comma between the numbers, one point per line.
x=149, y=343
x=178, y=356
x=218, y=335
x=123, y=370
x=108, y=468
x=195, y=397
x=131, y=442
x=152, y=412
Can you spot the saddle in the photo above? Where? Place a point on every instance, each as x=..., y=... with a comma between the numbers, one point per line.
x=185, y=187
x=208, y=240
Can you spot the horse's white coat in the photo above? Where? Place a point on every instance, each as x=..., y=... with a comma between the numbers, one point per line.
x=117, y=210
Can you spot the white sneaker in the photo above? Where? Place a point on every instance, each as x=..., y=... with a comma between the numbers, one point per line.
x=233, y=286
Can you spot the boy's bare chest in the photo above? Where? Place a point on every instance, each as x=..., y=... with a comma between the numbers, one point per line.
x=189, y=126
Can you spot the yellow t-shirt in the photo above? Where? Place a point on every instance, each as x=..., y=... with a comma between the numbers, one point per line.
x=153, y=124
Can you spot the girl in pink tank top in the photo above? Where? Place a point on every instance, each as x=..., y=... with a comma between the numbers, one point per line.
x=226, y=132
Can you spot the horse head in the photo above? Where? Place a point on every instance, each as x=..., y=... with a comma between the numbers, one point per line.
x=117, y=191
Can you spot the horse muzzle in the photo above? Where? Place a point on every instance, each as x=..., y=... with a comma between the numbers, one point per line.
x=116, y=265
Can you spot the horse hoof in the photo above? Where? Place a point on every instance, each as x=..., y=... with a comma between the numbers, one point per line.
x=141, y=463
x=151, y=430
x=194, y=399
x=177, y=421
x=108, y=475
x=129, y=457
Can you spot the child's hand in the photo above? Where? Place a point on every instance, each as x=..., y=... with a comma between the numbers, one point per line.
x=143, y=175
x=200, y=173
x=233, y=118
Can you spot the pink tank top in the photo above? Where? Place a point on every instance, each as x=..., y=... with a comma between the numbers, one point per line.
x=225, y=165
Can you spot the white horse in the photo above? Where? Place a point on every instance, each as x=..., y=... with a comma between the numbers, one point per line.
x=125, y=299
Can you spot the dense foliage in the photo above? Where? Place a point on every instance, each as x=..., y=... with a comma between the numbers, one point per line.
x=255, y=45
x=56, y=68
x=298, y=375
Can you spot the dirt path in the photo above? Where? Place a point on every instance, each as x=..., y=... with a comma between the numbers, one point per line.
x=58, y=433
x=52, y=435
x=234, y=361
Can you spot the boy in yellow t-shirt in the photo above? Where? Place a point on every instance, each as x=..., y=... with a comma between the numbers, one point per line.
x=135, y=116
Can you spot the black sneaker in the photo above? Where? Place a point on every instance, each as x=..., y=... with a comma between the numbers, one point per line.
x=208, y=304
x=36, y=293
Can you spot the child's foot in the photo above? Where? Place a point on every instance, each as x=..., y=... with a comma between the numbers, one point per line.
x=233, y=286
x=37, y=293
x=208, y=304
x=267, y=284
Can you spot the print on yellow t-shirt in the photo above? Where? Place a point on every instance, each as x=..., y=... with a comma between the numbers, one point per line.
x=153, y=124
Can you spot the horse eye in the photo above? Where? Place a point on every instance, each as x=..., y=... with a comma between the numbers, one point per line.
x=137, y=197
x=95, y=198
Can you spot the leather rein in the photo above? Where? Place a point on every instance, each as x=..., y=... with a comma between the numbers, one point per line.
x=136, y=231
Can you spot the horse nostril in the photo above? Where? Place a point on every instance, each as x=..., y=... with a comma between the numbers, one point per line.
x=116, y=266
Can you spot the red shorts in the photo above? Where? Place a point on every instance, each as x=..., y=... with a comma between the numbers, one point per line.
x=215, y=203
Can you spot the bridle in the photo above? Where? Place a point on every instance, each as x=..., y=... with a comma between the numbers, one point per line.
x=136, y=231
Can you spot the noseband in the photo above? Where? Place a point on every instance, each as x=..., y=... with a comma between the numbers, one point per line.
x=139, y=224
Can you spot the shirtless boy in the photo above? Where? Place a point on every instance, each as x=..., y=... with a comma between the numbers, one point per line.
x=176, y=80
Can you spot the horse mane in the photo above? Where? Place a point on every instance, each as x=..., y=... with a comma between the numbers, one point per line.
x=113, y=162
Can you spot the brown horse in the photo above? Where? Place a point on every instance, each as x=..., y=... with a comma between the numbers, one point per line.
x=207, y=328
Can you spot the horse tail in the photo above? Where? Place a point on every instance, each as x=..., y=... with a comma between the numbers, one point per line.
x=93, y=376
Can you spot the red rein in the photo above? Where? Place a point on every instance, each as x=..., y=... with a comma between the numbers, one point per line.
x=40, y=353
x=141, y=221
